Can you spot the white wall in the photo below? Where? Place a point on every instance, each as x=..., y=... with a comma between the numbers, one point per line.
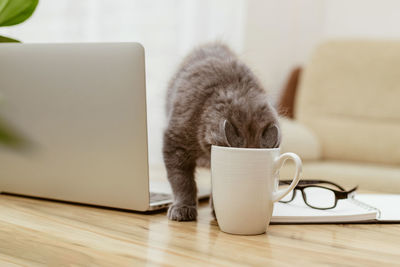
x=362, y=18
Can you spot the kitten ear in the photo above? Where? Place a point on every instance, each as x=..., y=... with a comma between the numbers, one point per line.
x=271, y=137
x=231, y=134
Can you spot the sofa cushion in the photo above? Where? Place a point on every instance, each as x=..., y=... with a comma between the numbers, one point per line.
x=349, y=95
x=299, y=139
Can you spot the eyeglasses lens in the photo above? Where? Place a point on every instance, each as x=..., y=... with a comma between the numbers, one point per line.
x=318, y=197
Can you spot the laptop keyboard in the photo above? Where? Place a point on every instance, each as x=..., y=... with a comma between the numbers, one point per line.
x=156, y=197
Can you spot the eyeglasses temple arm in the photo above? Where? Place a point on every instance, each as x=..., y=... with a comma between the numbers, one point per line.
x=306, y=182
x=352, y=190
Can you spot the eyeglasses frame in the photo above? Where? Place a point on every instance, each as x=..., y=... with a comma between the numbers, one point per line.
x=303, y=184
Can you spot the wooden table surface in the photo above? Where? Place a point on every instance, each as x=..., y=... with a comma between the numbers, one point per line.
x=44, y=233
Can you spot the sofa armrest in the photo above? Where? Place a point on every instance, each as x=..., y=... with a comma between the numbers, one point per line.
x=299, y=139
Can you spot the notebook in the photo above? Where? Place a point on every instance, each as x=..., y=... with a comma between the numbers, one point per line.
x=363, y=208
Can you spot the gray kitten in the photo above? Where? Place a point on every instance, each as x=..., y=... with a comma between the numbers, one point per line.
x=213, y=99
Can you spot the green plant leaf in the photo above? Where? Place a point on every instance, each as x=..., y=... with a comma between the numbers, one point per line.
x=10, y=137
x=4, y=39
x=13, y=12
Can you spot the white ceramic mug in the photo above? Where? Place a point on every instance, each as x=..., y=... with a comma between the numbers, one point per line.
x=245, y=186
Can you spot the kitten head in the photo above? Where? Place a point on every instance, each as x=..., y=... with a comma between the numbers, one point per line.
x=244, y=120
x=266, y=137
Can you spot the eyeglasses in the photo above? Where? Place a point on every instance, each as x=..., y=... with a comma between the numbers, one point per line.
x=317, y=196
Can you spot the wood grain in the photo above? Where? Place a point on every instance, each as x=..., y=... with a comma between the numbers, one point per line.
x=44, y=233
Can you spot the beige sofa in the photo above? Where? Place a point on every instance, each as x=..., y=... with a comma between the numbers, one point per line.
x=347, y=115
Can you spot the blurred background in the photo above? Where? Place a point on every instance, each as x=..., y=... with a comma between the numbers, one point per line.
x=273, y=37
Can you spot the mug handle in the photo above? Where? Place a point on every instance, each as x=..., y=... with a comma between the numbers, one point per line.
x=278, y=195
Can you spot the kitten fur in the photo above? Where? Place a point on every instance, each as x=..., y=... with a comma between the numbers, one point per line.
x=213, y=99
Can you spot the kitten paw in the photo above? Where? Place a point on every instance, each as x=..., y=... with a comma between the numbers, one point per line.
x=181, y=212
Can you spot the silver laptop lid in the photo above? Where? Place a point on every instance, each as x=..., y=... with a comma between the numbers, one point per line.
x=83, y=109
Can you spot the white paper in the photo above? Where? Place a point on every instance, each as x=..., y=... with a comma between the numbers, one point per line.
x=388, y=205
x=297, y=211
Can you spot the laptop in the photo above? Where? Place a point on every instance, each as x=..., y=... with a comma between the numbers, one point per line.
x=80, y=110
